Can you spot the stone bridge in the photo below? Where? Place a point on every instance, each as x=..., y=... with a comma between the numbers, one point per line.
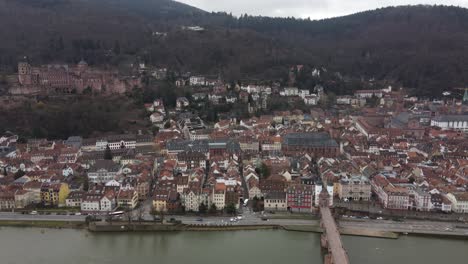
x=330, y=240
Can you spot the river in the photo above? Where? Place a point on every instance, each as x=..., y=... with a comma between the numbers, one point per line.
x=53, y=246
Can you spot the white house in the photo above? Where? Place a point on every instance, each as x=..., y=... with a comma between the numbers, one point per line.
x=67, y=171
x=182, y=102
x=275, y=201
x=311, y=99
x=107, y=202
x=91, y=202
x=197, y=81
x=157, y=117
x=191, y=200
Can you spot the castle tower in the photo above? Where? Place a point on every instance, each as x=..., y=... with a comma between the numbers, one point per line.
x=82, y=66
x=24, y=68
x=24, y=73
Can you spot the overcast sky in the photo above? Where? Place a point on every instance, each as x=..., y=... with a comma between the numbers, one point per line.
x=315, y=9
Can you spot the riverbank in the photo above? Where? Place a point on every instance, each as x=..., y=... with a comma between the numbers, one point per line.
x=348, y=228
x=44, y=224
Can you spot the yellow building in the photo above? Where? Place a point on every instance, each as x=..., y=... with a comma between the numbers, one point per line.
x=54, y=194
x=160, y=201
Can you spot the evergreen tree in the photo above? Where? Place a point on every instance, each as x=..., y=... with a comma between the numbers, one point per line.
x=231, y=209
x=19, y=174
x=108, y=153
x=202, y=209
x=117, y=47
x=213, y=209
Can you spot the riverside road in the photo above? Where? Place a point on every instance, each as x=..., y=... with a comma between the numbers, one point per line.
x=407, y=226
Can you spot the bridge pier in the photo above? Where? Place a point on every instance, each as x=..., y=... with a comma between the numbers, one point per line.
x=323, y=242
x=327, y=259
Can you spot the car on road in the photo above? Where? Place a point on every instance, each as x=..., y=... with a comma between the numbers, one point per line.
x=78, y=213
x=379, y=218
x=239, y=217
x=232, y=220
x=33, y=213
x=199, y=219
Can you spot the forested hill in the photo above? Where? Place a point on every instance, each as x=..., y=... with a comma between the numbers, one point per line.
x=424, y=47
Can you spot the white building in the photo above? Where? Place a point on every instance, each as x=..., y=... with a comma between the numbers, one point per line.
x=191, y=200
x=116, y=143
x=344, y=100
x=368, y=93
x=290, y=91
x=356, y=188
x=455, y=122
x=156, y=117
x=275, y=201
x=107, y=203
x=459, y=202
x=422, y=200
x=311, y=99
x=103, y=171
x=197, y=81
x=304, y=93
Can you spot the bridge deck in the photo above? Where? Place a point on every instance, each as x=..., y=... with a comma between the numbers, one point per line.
x=339, y=255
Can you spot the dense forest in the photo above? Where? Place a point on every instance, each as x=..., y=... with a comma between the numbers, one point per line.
x=87, y=116
x=421, y=47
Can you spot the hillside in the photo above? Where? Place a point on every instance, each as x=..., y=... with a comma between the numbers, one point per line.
x=420, y=47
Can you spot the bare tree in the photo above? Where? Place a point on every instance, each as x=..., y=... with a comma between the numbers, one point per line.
x=161, y=215
x=140, y=212
x=110, y=218
x=129, y=216
x=154, y=213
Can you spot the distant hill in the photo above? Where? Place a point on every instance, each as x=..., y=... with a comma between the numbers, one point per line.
x=422, y=47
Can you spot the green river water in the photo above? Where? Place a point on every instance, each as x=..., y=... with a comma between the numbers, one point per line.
x=53, y=246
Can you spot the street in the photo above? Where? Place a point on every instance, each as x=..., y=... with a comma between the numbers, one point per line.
x=251, y=218
x=27, y=217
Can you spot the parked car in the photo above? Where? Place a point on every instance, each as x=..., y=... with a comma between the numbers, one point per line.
x=33, y=213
